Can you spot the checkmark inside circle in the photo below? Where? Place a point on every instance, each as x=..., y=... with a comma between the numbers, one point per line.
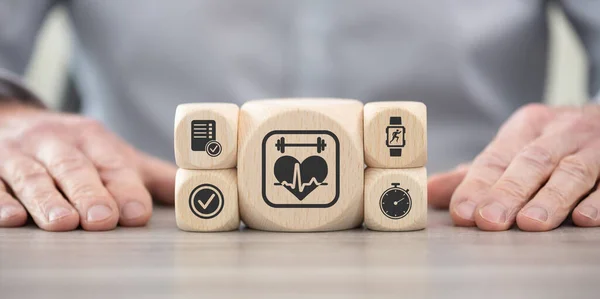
x=206, y=201
x=214, y=148
x=204, y=205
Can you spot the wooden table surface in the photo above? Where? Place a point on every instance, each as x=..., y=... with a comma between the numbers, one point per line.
x=159, y=261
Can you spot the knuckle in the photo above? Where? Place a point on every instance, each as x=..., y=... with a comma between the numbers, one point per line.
x=578, y=171
x=111, y=163
x=24, y=173
x=44, y=201
x=537, y=157
x=92, y=133
x=84, y=192
x=492, y=159
x=65, y=165
x=469, y=189
x=557, y=195
x=513, y=188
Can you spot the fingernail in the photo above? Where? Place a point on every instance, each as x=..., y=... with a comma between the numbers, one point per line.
x=465, y=210
x=536, y=213
x=133, y=210
x=589, y=212
x=7, y=212
x=58, y=213
x=98, y=213
x=494, y=212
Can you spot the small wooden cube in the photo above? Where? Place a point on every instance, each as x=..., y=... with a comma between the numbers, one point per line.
x=301, y=164
x=395, y=134
x=396, y=199
x=207, y=200
x=206, y=135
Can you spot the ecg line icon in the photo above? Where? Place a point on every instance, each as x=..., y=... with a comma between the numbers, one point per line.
x=292, y=174
x=298, y=177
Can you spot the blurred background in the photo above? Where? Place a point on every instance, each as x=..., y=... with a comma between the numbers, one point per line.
x=47, y=72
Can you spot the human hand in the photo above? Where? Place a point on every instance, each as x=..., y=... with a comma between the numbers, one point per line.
x=541, y=164
x=66, y=170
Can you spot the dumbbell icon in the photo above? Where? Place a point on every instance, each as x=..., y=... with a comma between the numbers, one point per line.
x=281, y=144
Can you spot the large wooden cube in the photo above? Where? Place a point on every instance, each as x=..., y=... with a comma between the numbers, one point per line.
x=301, y=164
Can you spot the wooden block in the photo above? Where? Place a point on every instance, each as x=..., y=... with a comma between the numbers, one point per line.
x=396, y=199
x=301, y=164
x=207, y=200
x=206, y=135
x=395, y=134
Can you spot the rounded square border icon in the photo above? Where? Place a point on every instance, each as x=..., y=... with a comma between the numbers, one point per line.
x=301, y=132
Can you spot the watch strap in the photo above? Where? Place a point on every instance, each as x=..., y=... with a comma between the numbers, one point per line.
x=395, y=120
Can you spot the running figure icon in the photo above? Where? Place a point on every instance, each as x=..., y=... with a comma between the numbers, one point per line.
x=395, y=136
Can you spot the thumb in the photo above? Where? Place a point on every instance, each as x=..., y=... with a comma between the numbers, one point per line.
x=159, y=178
x=441, y=186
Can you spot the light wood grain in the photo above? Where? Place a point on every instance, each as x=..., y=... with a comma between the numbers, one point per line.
x=225, y=218
x=378, y=180
x=225, y=116
x=160, y=261
x=262, y=124
x=414, y=120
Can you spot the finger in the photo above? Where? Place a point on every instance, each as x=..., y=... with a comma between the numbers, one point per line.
x=12, y=213
x=574, y=177
x=35, y=189
x=441, y=186
x=79, y=181
x=121, y=179
x=159, y=177
x=586, y=214
x=523, y=127
x=527, y=172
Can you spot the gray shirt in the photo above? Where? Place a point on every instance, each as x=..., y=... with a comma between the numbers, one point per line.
x=471, y=62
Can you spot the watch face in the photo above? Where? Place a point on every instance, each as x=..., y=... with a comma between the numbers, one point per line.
x=395, y=203
x=395, y=136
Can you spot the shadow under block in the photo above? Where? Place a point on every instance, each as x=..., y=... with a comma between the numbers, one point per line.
x=206, y=135
x=396, y=199
x=395, y=134
x=301, y=164
x=207, y=200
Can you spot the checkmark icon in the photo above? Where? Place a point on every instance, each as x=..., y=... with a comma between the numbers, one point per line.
x=213, y=148
x=206, y=201
x=204, y=205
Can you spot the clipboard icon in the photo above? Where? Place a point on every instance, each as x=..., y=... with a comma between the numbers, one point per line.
x=203, y=131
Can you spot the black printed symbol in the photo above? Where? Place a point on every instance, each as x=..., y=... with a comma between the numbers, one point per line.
x=300, y=162
x=396, y=138
x=320, y=145
x=213, y=148
x=395, y=202
x=300, y=178
x=204, y=135
x=206, y=201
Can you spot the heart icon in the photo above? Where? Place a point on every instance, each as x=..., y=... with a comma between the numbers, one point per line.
x=300, y=178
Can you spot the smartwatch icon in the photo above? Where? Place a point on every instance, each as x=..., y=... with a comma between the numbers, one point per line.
x=395, y=140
